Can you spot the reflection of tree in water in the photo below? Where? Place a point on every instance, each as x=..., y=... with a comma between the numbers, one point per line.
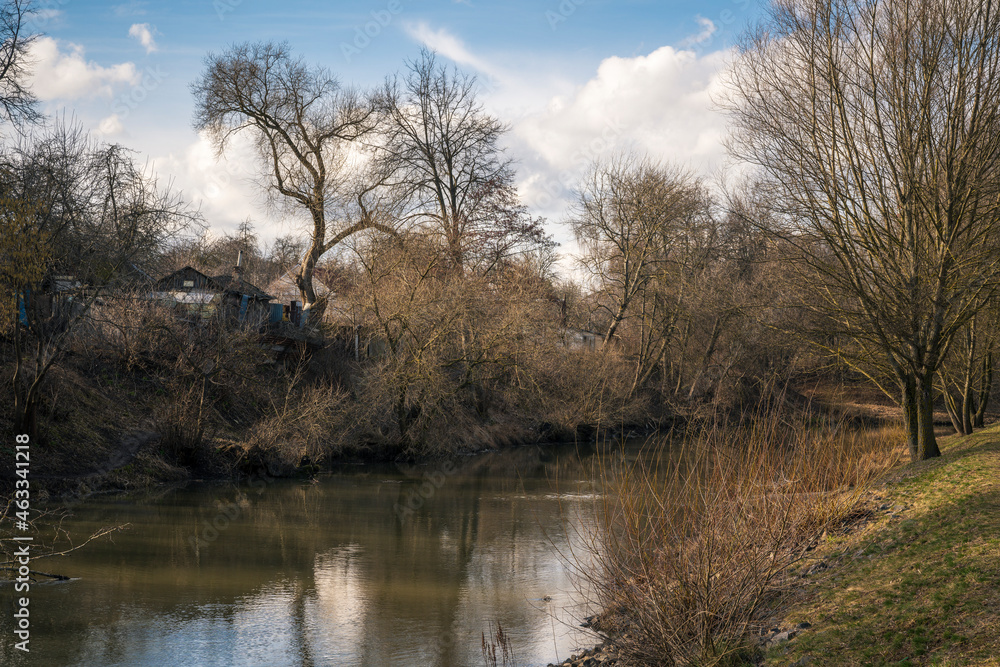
x=332, y=559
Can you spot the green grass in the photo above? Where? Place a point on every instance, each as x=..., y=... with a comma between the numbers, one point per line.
x=918, y=588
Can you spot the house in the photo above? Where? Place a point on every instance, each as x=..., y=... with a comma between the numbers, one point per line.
x=205, y=296
x=337, y=309
x=285, y=289
x=53, y=305
x=581, y=339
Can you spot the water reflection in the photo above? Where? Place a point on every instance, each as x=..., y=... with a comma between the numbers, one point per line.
x=298, y=573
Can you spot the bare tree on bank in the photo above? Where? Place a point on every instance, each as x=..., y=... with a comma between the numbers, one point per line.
x=876, y=131
x=303, y=123
x=17, y=102
x=82, y=211
x=439, y=151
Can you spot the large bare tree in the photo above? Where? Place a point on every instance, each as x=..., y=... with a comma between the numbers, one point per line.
x=632, y=214
x=875, y=129
x=439, y=151
x=303, y=123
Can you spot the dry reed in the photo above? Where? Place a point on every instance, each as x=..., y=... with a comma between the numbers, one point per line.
x=695, y=535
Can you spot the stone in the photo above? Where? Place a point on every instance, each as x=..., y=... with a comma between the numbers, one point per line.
x=783, y=637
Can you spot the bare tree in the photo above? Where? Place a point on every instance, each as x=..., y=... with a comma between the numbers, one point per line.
x=303, y=123
x=630, y=217
x=440, y=152
x=966, y=375
x=84, y=212
x=876, y=131
x=17, y=103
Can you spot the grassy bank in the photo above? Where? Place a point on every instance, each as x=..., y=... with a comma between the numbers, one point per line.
x=919, y=584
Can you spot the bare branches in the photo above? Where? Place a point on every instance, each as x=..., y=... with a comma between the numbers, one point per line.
x=875, y=129
x=17, y=103
x=439, y=150
x=302, y=122
x=630, y=218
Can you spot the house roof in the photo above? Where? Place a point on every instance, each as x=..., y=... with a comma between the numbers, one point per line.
x=195, y=298
x=224, y=284
x=286, y=288
x=230, y=284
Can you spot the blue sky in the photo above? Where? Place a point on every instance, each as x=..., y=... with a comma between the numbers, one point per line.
x=574, y=79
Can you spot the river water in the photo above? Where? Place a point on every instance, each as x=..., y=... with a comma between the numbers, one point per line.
x=377, y=567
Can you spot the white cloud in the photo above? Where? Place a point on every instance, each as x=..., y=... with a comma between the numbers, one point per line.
x=59, y=75
x=143, y=33
x=708, y=28
x=111, y=126
x=451, y=47
x=659, y=104
x=224, y=189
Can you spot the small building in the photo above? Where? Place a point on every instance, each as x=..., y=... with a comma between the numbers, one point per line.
x=581, y=339
x=206, y=296
x=285, y=289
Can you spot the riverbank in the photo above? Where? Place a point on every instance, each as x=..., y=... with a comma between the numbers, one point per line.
x=916, y=584
x=108, y=425
x=909, y=576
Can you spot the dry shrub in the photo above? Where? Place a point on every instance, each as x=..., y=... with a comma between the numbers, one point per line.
x=695, y=535
x=308, y=424
x=566, y=388
x=135, y=330
x=180, y=420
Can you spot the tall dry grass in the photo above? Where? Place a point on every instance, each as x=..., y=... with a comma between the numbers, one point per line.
x=496, y=647
x=694, y=536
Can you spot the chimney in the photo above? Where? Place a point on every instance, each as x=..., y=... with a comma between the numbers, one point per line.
x=238, y=269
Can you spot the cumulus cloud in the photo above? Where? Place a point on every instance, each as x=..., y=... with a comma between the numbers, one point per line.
x=111, y=126
x=223, y=188
x=143, y=33
x=660, y=104
x=68, y=75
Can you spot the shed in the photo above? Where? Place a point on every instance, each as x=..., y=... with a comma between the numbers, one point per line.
x=192, y=290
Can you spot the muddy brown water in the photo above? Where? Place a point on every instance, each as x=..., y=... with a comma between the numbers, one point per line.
x=394, y=565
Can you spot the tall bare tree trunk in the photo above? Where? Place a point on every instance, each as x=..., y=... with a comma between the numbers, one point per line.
x=925, y=441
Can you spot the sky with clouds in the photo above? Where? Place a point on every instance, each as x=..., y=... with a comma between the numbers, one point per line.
x=573, y=79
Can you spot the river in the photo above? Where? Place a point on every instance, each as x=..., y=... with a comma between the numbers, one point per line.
x=365, y=566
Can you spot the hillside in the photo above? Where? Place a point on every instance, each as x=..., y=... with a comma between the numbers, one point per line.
x=919, y=584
